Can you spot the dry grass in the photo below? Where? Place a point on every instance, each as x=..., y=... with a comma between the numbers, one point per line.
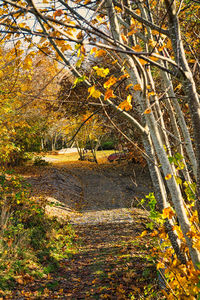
x=70, y=157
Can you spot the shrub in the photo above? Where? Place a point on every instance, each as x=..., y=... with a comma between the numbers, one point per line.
x=31, y=243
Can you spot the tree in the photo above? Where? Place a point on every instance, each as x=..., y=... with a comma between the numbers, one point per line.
x=144, y=38
x=26, y=101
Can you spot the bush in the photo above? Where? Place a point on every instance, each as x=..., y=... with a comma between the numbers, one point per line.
x=31, y=243
x=109, y=145
x=39, y=161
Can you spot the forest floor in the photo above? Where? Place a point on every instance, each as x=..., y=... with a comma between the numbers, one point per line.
x=101, y=201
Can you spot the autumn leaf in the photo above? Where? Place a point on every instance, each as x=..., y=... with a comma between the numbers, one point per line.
x=93, y=50
x=58, y=13
x=126, y=104
x=147, y=111
x=168, y=176
x=152, y=43
x=143, y=233
x=142, y=61
x=101, y=71
x=151, y=94
x=109, y=94
x=137, y=87
x=128, y=86
x=93, y=92
x=168, y=213
x=100, y=52
x=137, y=48
x=80, y=35
x=112, y=80
x=114, y=62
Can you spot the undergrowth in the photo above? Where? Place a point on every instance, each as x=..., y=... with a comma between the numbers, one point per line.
x=31, y=243
x=176, y=280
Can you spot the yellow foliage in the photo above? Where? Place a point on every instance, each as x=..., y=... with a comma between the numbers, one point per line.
x=100, y=52
x=137, y=87
x=168, y=176
x=101, y=71
x=109, y=94
x=126, y=104
x=111, y=81
x=93, y=92
x=147, y=111
x=168, y=213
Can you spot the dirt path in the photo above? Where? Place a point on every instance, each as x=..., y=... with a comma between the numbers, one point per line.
x=112, y=262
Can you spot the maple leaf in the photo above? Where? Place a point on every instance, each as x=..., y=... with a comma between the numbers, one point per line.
x=109, y=94
x=101, y=71
x=93, y=92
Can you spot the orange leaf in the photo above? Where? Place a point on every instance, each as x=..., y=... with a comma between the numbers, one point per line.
x=114, y=62
x=58, y=13
x=137, y=87
x=112, y=80
x=128, y=86
x=168, y=213
x=100, y=52
x=124, y=38
x=109, y=94
x=137, y=48
x=147, y=111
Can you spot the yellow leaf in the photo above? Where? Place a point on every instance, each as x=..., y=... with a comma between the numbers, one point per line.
x=168, y=176
x=178, y=87
x=1, y=73
x=168, y=213
x=147, y=111
x=109, y=94
x=143, y=233
x=93, y=92
x=100, y=52
x=169, y=44
x=151, y=94
x=152, y=43
x=154, y=58
x=93, y=50
x=112, y=80
x=160, y=265
x=137, y=48
x=118, y=9
x=101, y=71
x=137, y=87
x=142, y=61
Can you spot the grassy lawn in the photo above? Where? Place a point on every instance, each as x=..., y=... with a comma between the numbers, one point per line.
x=101, y=156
